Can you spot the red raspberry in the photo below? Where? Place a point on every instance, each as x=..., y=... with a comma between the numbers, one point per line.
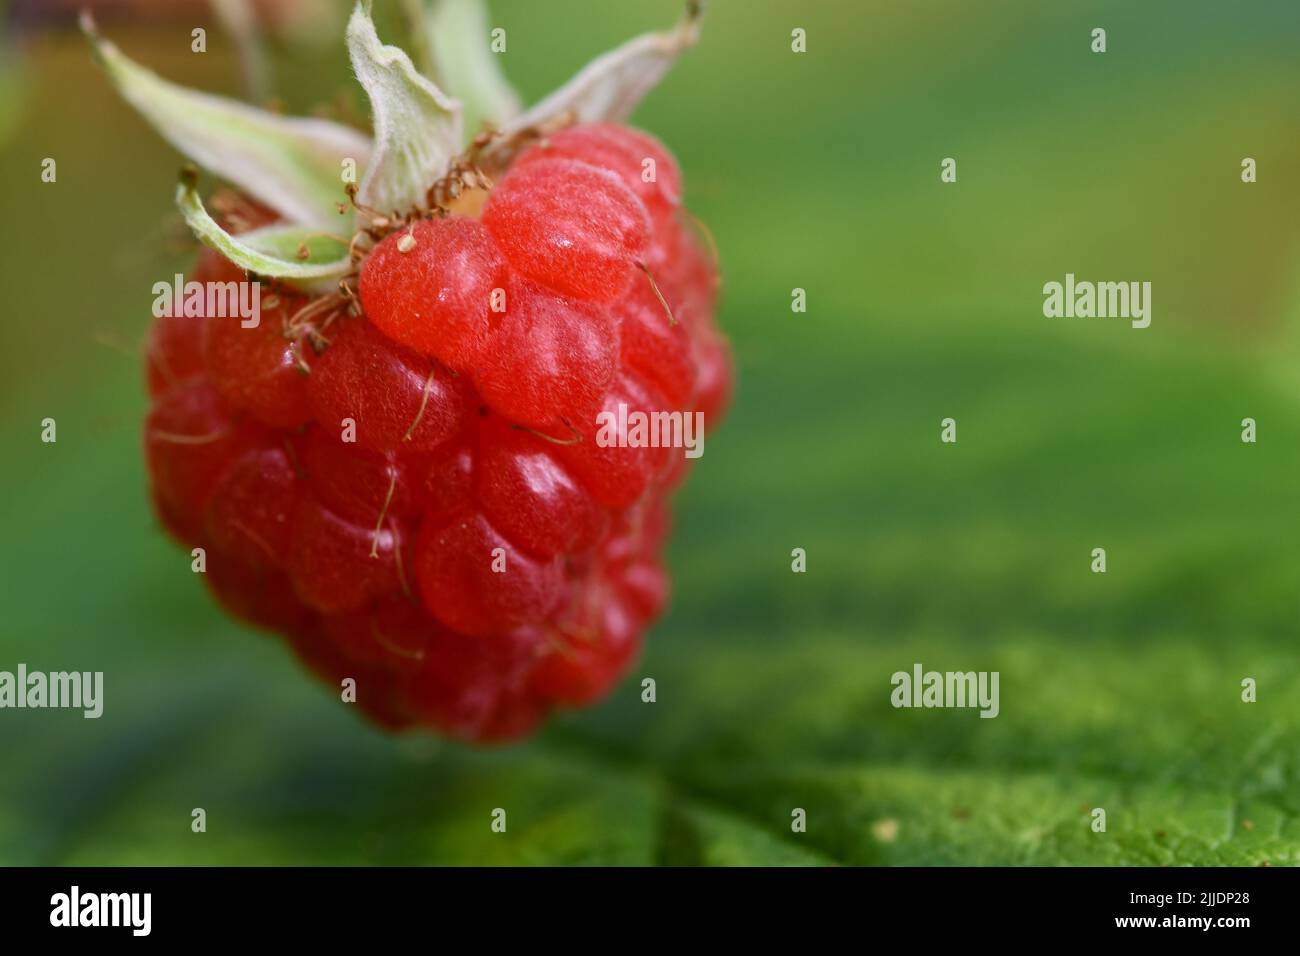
x=551, y=360
x=642, y=162
x=394, y=399
x=570, y=226
x=659, y=351
x=592, y=647
x=412, y=492
x=448, y=479
x=249, y=513
x=262, y=598
x=262, y=369
x=475, y=580
x=618, y=475
x=176, y=342
x=190, y=437
x=430, y=287
x=477, y=687
x=533, y=498
x=340, y=565
x=357, y=483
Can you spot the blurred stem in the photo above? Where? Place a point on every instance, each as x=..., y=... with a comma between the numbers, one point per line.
x=239, y=20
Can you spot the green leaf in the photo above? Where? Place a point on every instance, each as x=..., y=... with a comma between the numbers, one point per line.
x=610, y=86
x=453, y=39
x=298, y=254
x=1113, y=730
x=417, y=127
x=292, y=165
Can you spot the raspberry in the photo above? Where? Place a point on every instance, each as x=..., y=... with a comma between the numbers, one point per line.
x=527, y=493
x=474, y=580
x=628, y=153
x=477, y=687
x=659, y=352
x=448, y=478
x=581, y=669
x=357, y=483
x=412, y=492
x=262, y=369
x=339, y=565
x=713, y=382
x=551, y=360
x=248, y=515
x=403, y=467
x=190, y=437
x=262, y=598
x=592, y=647
x=395, y=399
x=176, y=342
x=619, y=474
x=570, y=226
x=430, y=287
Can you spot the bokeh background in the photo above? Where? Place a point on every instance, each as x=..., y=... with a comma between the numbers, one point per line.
x=818, y=171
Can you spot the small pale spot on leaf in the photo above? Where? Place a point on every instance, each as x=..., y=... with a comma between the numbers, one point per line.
x=886, y=830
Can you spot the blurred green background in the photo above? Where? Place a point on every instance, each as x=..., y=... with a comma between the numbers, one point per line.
x=818, y=171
